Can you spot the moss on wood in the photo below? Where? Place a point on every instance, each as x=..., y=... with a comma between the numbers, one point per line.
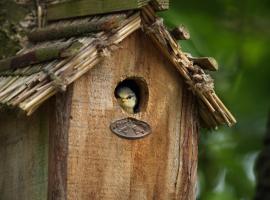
x=90, y=7
x=75, y=29
x=11, y=32
x=40, y=55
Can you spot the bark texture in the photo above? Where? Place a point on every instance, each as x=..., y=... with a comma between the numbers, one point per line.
x=262, y=168
x=58, y=145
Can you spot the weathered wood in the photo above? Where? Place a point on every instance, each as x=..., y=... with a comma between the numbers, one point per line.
x=58, y=145
x=75, y=29
x=180, y=33
x=80, y=8
x=187, y=177
x=102, y=165
x=60, y=73
x=161, y=5
x=163, y=39
x=40, y=55
x=24, y=155
x=207, y=63
x=15, y=19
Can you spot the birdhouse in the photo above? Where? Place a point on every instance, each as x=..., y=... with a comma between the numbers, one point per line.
x=102, y=103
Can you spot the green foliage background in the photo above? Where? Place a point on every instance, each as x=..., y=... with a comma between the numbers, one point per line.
x=237, y=34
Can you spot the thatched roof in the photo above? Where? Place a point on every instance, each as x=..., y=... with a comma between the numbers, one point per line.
x=51, y=62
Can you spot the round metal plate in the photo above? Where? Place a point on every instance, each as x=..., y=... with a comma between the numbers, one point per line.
x=130, y=128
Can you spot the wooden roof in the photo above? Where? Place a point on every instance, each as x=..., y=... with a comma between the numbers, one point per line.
x=53, y=61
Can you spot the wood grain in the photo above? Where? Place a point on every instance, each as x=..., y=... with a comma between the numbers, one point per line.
x=163, y=165
x=78, y=8
x=187, y=177
x=24, y=156
x=58, y=144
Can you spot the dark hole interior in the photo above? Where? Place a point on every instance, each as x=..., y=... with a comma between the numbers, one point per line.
x=139, y=87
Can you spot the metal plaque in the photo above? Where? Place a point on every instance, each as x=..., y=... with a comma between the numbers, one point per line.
x=130, y=128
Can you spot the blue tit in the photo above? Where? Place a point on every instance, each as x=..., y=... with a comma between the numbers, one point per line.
x=127, y=99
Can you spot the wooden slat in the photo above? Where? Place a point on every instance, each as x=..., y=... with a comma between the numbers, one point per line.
x=58, y=144
x=79, y=8
x=207, y=63
x=24, y=155
x=75, y=28
x=40, y=55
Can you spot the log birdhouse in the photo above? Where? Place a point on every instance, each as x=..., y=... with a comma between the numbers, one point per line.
x=102, y=103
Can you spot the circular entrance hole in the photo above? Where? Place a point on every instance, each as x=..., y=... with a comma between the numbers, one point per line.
x=132, y=94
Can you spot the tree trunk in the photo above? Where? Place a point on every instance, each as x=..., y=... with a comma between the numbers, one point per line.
x=262, y=168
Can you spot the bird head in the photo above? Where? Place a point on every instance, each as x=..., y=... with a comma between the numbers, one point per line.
x=126, y=98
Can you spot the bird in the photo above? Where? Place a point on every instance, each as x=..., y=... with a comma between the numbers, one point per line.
x=127, y=99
